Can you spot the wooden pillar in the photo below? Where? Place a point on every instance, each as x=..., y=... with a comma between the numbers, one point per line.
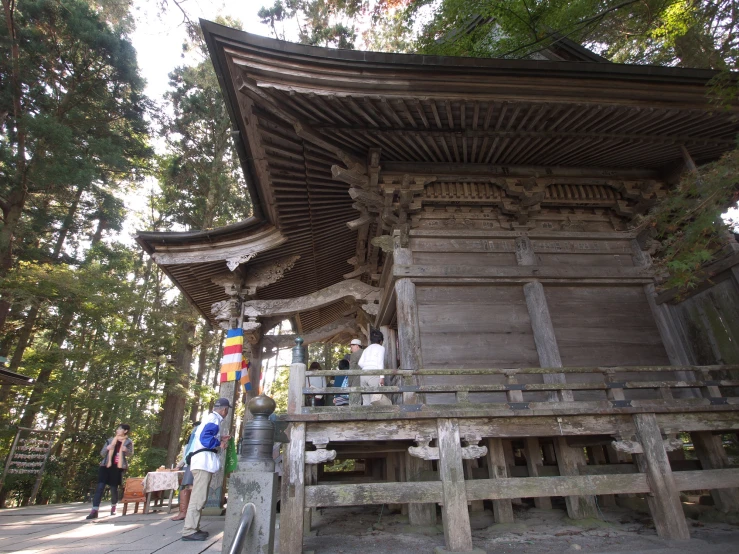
x=498, y=469
x=454, y=514
x=469, y=475
x=546, y=342
x=402, y=477
x=216, y=490
x=417, y=469
x=669, y=330
x=533, y=463
x=664, y=500
x=599, y=457
x=569, y=459
x=291, y=519
x=712, y=455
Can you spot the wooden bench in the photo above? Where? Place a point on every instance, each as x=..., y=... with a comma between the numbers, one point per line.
x=134, y=492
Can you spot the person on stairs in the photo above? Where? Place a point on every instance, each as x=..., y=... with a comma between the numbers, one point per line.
x=186, y=484
x=114, y=462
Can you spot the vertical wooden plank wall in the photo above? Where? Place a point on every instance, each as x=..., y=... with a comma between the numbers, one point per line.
x=409, y=343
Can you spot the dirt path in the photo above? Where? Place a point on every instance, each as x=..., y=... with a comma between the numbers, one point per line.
x=363, y=530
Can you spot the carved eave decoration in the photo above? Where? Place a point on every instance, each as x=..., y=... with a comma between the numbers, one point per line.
x=234, y=251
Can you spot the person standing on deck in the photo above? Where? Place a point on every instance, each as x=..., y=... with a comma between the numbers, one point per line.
x=356, y=352
x=373, y=357
x=114, y=462
x=204, y=462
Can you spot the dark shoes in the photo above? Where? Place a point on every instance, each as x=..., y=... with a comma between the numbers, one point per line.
x=196, y=536
x=93, y=515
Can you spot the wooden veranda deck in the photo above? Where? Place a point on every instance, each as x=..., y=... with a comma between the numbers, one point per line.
x=631, y=415
x=62, y=529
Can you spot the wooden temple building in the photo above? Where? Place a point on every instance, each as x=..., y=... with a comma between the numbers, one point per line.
x=477, y=212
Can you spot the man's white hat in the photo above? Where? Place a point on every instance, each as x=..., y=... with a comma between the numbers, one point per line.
x=356, y=341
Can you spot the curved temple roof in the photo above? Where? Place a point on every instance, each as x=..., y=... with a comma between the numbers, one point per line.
x=299, y=110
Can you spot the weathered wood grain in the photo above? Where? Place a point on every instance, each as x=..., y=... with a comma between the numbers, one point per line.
x=291, y=530
x=712, y=455
x=533, y=455
x=582, y=505
x=533, y=487
x=498, y=469
x=422, y=513
x=296, y=382
x=454, y=514
x=664, y=503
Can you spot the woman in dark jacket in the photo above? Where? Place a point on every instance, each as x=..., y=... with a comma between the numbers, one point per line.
x=114, y=462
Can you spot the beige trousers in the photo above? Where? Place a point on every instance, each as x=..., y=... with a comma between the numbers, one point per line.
x=201, y=481
x=369, y=381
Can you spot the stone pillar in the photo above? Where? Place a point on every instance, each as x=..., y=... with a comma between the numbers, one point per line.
x=254, y=482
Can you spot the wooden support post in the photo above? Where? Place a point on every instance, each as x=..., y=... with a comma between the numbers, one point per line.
x=296, y=382
x=417, y=470
x=712, y=455
x=469, y=468
x=291, y=519
x=664, y=500
x=218, y=483
x=599, y=456
x=308, y=512
x=533, y=463
x=454, y=514
x=391, y=474
x=510, y=460
x=569, y=459
x=403, y=477
x=678, y=351
x=547, y=448
x=546, y=342
x=498, y=469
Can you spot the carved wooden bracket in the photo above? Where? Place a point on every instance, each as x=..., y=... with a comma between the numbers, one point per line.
x=225, y=312
x=470, y=451
x=635, y=447
x=361, y=292
x=423, y=450
x=320, y=455
x=260, y=276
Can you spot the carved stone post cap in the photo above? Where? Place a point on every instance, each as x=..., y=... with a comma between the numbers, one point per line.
x=298, y=353
x=262, y=405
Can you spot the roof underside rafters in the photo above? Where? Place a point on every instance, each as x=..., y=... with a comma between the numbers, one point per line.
x=299, y=110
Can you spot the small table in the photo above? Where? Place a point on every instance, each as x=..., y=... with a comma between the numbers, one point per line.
x=161, y=481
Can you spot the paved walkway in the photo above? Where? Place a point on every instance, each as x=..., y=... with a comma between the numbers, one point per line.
x=63, y=529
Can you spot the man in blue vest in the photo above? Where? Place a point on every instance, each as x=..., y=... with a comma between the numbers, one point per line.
x=204, y=463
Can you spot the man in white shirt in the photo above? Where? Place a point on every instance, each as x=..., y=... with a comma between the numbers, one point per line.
x=373, y=357
x=204, y=463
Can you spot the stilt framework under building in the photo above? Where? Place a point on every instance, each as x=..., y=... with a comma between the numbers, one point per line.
x=477, y=212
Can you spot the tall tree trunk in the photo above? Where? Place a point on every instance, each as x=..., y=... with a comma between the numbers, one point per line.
x=33, y=406
x=12, y=205
x=205, y=345
x=173, y=407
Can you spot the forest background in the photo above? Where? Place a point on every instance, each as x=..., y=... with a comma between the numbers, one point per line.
x=89, y=316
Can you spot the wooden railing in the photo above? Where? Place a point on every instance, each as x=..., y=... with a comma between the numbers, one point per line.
x=571, y=390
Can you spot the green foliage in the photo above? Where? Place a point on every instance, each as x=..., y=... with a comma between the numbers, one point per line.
x=687, y=224
x=279, y=387
x=339, y=465
x=200, y=176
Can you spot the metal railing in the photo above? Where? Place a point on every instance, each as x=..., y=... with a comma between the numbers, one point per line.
x=247, y=517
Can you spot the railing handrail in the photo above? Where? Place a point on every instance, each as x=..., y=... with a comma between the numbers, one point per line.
x=247, y=517
x=525, y=370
